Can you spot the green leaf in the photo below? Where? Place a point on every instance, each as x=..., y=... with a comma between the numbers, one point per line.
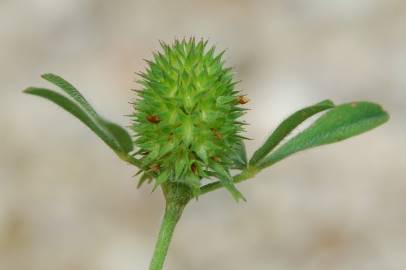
x=338, y=124
x=78, y=112
x=114, y=135
x=286, y=127
x=120, y=135
x=71, y=91
x=227, y=181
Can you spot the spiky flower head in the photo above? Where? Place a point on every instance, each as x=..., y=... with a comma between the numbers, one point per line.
x=186, y=116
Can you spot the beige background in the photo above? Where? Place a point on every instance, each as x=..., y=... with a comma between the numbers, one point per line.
x=66, y=202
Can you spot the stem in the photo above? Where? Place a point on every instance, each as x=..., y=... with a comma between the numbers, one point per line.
x=177, y=196
x=170, y=219
x=130, y=159
x=248, y=173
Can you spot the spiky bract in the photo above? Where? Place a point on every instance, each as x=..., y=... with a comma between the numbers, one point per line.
x=186, y=114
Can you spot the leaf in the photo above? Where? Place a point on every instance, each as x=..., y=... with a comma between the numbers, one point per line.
x=120, y=135
x=71, y=91
x=227, y=181
x=286, y=127
x=77, y=111
x=338, y=124
x=115, y=136
x=119, y=139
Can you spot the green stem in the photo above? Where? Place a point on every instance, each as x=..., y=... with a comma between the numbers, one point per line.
x=248, y=173
x=130, y=159
x=177, y=196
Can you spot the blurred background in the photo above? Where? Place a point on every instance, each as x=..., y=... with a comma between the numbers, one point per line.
x=67, y=202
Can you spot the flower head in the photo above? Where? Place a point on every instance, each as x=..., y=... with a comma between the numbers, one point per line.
x=185, y=118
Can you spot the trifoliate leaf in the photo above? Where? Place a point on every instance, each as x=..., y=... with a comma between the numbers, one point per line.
x=286, y=127
x=338, y=124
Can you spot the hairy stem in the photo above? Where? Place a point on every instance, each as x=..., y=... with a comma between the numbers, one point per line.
x=177, y=196
x=170, y=219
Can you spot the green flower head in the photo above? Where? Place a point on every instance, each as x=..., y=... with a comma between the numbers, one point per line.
x=186, y=115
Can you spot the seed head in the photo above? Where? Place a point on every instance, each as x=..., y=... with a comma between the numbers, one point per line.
x=186, y=114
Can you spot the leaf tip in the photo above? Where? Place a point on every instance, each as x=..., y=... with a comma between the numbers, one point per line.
x=385, y=116
x=47, y=76
x=28, y=90
x=237, y=195
x=327, y=103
